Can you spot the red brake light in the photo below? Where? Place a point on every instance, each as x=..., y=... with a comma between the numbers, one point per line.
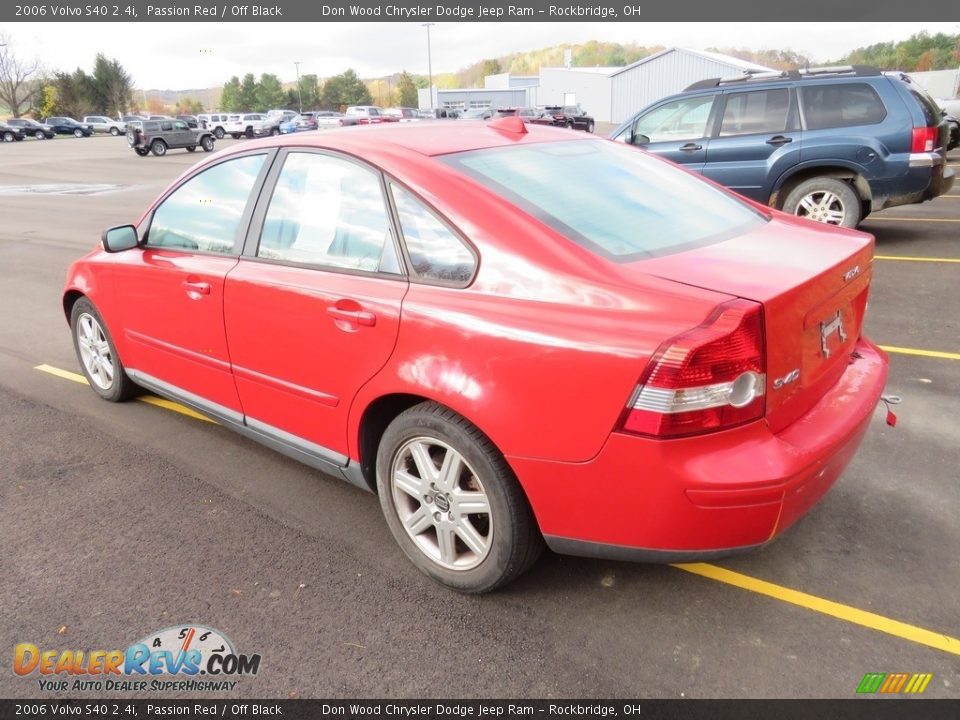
x=707, y=379
x=924, y=139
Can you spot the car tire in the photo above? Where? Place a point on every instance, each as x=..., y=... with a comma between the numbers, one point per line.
x=158, y=148
x=235, y=136
x=98, y=355
x=142, y=152
x=467, y=550
x=248, y=133
x=218, y=133
x=275, y=131
x=589, y=127
x=207, y=143
x=78, y=133
x=9, y=137
x=114, y=131
x=39, y=135
x=191, y=148
x=827, y=200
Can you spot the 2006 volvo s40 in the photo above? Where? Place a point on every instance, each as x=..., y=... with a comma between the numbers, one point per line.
x=510, y=334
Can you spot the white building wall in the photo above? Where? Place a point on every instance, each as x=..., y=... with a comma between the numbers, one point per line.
x=645, y=82
x=592, y=89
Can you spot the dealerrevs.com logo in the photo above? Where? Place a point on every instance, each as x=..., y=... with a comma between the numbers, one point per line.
x=894, y=683
x=184, y=658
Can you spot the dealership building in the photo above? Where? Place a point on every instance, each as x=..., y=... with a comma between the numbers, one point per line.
x=609, y=94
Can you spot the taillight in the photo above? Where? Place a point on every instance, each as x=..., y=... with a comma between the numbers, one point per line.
x=924, y=139
x=706, y=379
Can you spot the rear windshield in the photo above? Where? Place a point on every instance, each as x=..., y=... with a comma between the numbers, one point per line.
x=614, y=200
x=931, y=111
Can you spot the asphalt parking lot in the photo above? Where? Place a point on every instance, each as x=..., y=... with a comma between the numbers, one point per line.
x=118, y=520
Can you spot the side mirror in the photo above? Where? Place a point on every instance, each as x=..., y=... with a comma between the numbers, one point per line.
x=119, y=239
x=639, y=139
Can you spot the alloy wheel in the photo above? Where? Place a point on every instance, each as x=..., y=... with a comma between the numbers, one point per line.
x=95, y=351
x=822, y=206
x=441, y=503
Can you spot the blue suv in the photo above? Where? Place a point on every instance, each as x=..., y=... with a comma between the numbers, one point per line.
x=829, y=144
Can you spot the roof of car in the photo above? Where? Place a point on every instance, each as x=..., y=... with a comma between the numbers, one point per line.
x=428, y=139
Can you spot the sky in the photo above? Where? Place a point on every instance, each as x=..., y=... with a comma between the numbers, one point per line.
x=180, y=56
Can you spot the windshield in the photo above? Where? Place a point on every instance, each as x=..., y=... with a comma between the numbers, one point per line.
x=614, y=200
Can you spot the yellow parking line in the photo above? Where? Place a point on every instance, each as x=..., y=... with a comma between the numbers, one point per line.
x=922, y=353
x=148, y=399
x=847, y=613
x=916, y=259
x=912, y=219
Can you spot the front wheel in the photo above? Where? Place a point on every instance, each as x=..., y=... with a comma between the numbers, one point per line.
x=114, y=131
x=39, y=135
x=275, y=131
x=590, y=127
x=78, y=133
x=207, y=143
x=9, y=137
x=97, y=354
x=158, y=148
x=827, y=200
x=452, y=502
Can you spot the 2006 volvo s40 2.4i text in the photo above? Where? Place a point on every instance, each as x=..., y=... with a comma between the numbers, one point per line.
x=511, y=334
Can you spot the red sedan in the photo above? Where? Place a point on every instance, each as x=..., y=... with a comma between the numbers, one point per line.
x=511, y=334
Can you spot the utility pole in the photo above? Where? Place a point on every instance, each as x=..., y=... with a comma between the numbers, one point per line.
x=429, y=62
x=296, y=64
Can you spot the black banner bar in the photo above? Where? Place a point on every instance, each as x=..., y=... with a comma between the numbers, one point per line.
x=853, y=709
x=474, y=11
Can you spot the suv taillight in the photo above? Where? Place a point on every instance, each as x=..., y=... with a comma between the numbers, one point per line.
x=706, y=379
x=924, y=139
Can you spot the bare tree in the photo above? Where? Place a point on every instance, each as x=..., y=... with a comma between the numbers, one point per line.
x=18, y=78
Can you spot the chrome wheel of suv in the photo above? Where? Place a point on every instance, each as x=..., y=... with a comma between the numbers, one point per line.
x=826, y=200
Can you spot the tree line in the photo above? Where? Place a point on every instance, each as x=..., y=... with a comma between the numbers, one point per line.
x=253, y=94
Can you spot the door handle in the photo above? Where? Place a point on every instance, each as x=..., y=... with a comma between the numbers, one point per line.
x=196, y=287
x=691, y=147
x=779, y=140
x=358, y=317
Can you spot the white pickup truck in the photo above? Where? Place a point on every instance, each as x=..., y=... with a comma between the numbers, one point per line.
x=103, y=124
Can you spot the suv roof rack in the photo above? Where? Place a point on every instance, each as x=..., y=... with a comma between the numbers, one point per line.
x=805, y=73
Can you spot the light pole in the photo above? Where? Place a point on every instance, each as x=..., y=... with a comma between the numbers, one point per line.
x=296, y=64
x=429, y=62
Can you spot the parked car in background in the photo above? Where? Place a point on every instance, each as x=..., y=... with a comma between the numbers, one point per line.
x=363, y=115
x=527, y=114
x=132, y=118
x=402, y=114
x=954, y=124
x=951, y=106
x=190, y=120
x=276, y=118
x=160, y=117
x=374, y=319
x=327, y=118
x=158, y=136
x=104, y=124
x=10, y=133
x=68, y=126
x=478, y=114
x=249, y=125
x=38, y=130
x=568, y=116
x=827, y=144
x=213, y=122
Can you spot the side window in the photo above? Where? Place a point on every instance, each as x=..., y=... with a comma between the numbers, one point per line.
x=841, y=105
x=204, y=213
x=329, y=212
x=759, y=111
x=180, y=125
x=684, y=119
x=166, y=126
x=436, y=252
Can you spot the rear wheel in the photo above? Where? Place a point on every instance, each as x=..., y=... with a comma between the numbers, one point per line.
x=191, y=148
x=207, y=143
x=158, y=148
x=142, y=152
x=9, y=137
x=590, y=126
x=235, y=136
x=452, y=502
x=218, y=133
x=114, y=131
x=827, y=200
x=97, y=355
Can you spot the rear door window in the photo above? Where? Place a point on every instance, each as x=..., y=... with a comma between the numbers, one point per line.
x=758, y=111
x=841, y=105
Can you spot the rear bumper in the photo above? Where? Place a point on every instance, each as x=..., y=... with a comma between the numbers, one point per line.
x=701, y=497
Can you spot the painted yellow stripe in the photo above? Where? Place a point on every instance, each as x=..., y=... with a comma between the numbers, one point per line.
x=912, y=219
x=919, y=635
x=148, y=399
x=905, y=258
x=921, y=353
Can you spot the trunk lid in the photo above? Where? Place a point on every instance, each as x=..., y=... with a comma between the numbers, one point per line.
x=812, y=280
